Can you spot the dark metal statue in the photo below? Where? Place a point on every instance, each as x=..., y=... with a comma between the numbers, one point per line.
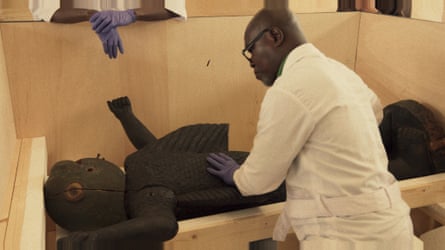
x=414, y=140
x=165, y=181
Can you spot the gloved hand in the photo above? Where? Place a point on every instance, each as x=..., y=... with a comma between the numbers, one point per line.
x=222, y=166
x=107, y=20
x=111, y=41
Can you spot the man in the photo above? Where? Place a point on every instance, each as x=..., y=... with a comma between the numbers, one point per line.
x=318, y=132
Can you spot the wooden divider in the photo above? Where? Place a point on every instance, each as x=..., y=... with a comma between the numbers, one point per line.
x=434, y=240
x=403, y=58
x=423, y=191
x=196, y=8
x=232, y=230
x=9, y=145
x=427, y=10
x=14, y=4
x=24, y=228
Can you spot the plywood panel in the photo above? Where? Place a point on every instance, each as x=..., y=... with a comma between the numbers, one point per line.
x=175, y=73
x=15, y=219
x=335, y=34
x=3, y=225
x=8, y=142
x=10, y=15
x=197, y=8
x=7, y=127
x=423, y=191
x=68, y=80
x=403, y=58
x=16, y=4
x=8, y=178
x=291, y=243
x=33, y=233
x=212, y=82
x=311, y=6
x=434, y=239
x=427, y=10
x=144, y=73
x=233, y=230
x=436, y=211
x=24, y=228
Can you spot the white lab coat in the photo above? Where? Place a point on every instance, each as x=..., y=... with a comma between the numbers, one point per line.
x=318, y=131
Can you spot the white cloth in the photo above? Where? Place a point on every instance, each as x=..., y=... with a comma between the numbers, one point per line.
x=177, y=7
x=45, y=9
x=318, y=131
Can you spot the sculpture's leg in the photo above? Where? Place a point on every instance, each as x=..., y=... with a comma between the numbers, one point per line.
x=152, y=221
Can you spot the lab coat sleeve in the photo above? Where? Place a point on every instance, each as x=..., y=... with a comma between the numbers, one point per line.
x=283, y=128
x=376, y=106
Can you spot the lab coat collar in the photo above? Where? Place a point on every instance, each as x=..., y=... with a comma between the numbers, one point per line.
x=298, y=53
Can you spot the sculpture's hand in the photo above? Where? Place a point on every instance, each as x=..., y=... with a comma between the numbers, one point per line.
x=80, y=241
x=107, y=20
x=222, y=166
x=121, y=107
x=111, y=41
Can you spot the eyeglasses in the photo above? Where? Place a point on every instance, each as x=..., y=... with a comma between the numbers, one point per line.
x=247, y=51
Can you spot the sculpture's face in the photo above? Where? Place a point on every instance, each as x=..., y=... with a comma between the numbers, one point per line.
x=85, y=195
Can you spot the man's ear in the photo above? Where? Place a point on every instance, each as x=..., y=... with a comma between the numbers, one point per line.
x=277, y=35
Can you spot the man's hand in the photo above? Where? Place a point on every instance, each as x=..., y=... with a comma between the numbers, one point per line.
x=222, y=166
x=104, y=21
x=120, y=107
x=111, y=41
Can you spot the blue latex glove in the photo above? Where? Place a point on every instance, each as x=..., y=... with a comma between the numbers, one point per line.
x=104, y=21
x=222, y=166
x=111, y=41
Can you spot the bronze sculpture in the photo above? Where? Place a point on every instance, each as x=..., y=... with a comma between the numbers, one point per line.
x=165, y=181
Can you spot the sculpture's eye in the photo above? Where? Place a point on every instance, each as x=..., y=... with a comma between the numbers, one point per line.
x=74, y=192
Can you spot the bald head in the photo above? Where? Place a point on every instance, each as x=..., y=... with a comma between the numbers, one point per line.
x=269, y=37
x=282, y=19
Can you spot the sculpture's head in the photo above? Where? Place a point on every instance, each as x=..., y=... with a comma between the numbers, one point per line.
x=86, y=194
